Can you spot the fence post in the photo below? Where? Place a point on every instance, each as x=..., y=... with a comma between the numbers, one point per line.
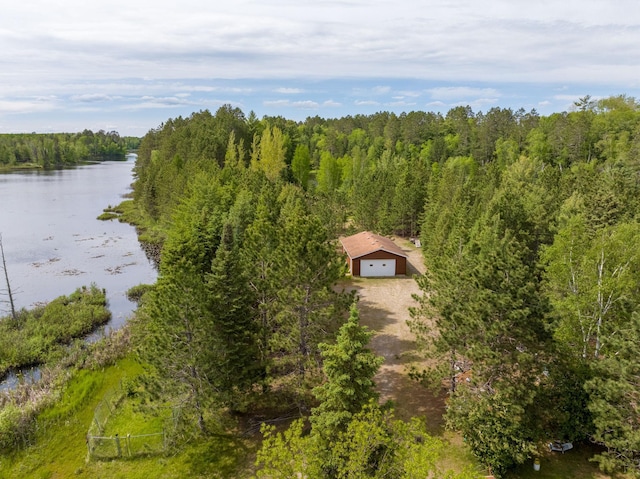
x=118, y=445
x=129, y=444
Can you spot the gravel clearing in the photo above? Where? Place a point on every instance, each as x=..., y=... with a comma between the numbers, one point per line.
x=384, y=308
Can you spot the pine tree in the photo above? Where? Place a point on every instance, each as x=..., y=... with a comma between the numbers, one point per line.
x=306, y=269
x=349, y=367
x=237, y=365
x=615, y=399
x=174, y=330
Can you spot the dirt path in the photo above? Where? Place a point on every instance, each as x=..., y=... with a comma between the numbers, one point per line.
x=384, y=305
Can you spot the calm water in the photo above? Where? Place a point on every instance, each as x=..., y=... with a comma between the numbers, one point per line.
x=53, y=242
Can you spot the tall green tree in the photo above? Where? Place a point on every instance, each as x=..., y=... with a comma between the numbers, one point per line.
x=197, y=223
x=615, y=396
x=592, y=282
x=272, y=152
x=301, y=165
x=258, y=252
x=174, y=328
x=307, y=268
x=492, y=321
x=329, y=173
x=238, y=365
x=505, y=343
x=454, y=201
x=349, y=367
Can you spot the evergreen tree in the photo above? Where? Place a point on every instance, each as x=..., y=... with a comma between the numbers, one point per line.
x=349, y=366
x=306, y=269
x=615, y=396
x=258, y=252
x=238, y=365
x=174, y=329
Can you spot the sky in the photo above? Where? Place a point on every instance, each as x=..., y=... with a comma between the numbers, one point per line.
x=128, y=66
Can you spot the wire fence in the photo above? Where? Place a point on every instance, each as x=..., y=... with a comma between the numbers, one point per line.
x=118, y=445
x=104, y=410
x=113, y=447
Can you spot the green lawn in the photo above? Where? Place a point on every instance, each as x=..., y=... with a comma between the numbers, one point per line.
x=60, y=449
x=572, y=464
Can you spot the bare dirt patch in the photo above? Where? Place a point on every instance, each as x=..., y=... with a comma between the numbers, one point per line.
x=384, y=308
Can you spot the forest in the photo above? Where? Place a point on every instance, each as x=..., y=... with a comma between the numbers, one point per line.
x=529, y=312
x=55, y=150
x=530, y=235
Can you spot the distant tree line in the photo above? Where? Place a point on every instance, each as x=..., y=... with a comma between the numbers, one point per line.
x=530, y=232
x=52, y=150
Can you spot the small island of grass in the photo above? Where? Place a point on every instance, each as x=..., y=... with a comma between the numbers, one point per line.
x=37, y=334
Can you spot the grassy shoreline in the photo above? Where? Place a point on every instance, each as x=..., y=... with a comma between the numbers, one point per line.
x=36, y=336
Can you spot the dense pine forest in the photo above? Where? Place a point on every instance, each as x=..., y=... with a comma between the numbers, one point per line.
x=529, y=316
x=55, y=150
x=530, y=235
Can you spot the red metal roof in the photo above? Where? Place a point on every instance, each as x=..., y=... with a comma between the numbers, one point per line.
x=366, y=242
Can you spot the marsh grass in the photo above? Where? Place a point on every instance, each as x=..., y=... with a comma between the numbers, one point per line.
x=37, y=335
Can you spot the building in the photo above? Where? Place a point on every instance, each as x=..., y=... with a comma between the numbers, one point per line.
x=371, y=255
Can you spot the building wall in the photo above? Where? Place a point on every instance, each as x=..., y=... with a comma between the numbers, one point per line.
x=401, y=262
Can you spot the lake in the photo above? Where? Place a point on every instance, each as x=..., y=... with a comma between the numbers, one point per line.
x=54, y=244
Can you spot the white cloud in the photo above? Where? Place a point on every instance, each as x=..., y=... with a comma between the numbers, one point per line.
x=289, y=91
x=454, y=39
x=304, y=104
x=437, y=105
x=456, y=93
x=27, y=105
x=331, y=103
x=570, y=98
x=95, y=53
x=91, y=98
x=400, y=104
x=411, y=94
x=280, y=103
x=374, y=91
x=147, y=102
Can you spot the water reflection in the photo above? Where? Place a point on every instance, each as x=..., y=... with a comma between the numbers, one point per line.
x=54, y=243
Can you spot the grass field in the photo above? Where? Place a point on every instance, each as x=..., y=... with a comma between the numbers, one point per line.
x=60, y=449
x=572, y=464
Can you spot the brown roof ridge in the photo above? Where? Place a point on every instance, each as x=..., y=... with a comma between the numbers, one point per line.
x=366, y=242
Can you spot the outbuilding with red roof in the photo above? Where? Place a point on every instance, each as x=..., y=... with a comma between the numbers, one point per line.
x=372, y=255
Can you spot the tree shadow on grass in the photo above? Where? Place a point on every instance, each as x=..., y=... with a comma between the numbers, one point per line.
x=218, y=456
x=411, y=399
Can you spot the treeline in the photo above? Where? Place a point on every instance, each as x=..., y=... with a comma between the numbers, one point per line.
x=531, y=305
x=51, y=150
x=247, y=274
x=529, y=227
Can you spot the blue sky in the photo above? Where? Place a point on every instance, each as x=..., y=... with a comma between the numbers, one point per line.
x=67, y=65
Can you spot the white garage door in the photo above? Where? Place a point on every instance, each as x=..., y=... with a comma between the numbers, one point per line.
x=377, y=267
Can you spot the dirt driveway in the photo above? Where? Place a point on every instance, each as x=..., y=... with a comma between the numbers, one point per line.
x=384, y=308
